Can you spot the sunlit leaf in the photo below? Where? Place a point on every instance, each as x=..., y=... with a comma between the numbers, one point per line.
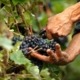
x=6, y=43
x=28, y=18
x=16, y=46
x=34, y=70
x=44, y=72
x=19, y=58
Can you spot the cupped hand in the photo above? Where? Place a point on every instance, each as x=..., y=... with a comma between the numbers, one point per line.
x=58, y=57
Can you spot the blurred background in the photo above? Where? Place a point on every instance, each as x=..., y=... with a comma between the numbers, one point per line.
x=23, y=17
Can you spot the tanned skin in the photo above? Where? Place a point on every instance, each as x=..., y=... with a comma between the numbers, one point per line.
x=61, y=25
x=60, y=57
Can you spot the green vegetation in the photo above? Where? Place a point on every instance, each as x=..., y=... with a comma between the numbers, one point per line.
x=26, y=17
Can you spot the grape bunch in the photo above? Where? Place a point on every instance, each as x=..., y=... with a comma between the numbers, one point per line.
x=39, y=44
x=15, y=39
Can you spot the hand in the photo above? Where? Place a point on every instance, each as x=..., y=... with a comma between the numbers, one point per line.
x=59, y=25
x=58, y=57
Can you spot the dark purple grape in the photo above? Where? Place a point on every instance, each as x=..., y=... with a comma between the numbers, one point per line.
x=15, y=39
x=36, y=41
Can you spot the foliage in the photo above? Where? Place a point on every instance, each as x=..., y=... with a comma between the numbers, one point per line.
x=20, y=18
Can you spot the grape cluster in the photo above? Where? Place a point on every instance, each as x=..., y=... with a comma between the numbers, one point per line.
x=15, y=39
x=39, y=44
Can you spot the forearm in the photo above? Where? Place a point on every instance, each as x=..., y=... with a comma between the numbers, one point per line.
x=74, y=48
x=73, y=12
x=71, y=52
x=61, y=57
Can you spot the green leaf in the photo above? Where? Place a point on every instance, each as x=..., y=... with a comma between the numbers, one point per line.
x=16, y=46
x=19, y=58
x=58, y=6
x=44, y=72
x=15, y=2
x=42, y=19
x=2, y=14
x=6, y=43
x=34, y=70
x=36, y=28
x=28, y=17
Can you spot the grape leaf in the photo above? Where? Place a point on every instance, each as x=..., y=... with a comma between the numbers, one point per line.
x=42, y=19
x=34, y=71
x=44, y=72
x=19, y=58
x=6, y=43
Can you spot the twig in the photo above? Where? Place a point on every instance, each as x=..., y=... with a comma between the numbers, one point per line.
x=19, y=11
x=12, y=9
x=35, y=50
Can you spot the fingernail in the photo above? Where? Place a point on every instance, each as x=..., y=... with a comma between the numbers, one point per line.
x=48, y=50
x=30, y=48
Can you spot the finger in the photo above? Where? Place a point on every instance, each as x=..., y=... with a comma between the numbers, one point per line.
x=52, y=55
x=59, y=53
x=39, y=56
x=49, y=28
x=48, y=34
x=58, y=50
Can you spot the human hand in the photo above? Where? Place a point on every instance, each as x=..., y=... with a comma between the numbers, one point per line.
x=58, y=57
x=59, y=25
